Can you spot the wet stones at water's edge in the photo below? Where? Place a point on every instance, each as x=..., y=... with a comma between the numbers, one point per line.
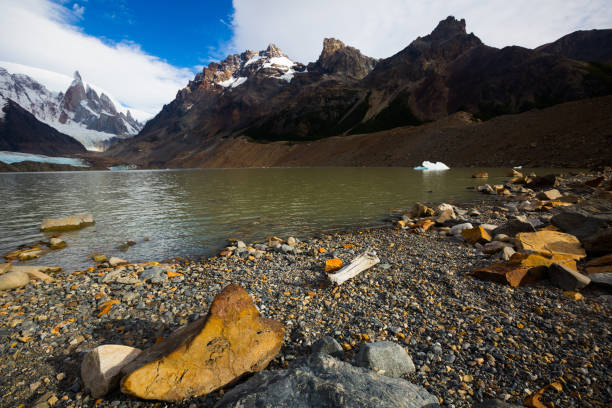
x=469, y=340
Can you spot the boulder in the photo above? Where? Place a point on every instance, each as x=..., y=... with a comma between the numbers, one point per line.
x=494, y=247
x=322, y=381
x=38, y=275
x=476, y=234
x=444, y=216
x=602, y=260
x=13, y=280
x=327, y=345
x=68, y=223
x=457, y=229
x=550, y=244
x=486, y=189
x=567, y=278
x=101, y=367
x=99, y=258
x=507, y=252
x=599, y=243
x=580, y=223
x=481, y=174
x=56, y=243
x=154, y=274
x=231, y=340
x=35, y=269
x=444, y=207
x=4, y=267
x=549, y=195
x=386, y=358
x=550, y=180
x=420, y=210
x=30, y=254
x=602, y=279
x=513, y=227
x=114, y=261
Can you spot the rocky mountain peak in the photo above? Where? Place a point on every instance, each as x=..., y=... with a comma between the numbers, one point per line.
x=338, y=58
x=448, y=28
x=274, y=51
x=76, y=78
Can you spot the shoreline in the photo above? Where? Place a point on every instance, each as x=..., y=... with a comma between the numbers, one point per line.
x=470, y=339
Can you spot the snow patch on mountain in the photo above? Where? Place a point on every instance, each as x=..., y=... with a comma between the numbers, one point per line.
x=16, y=157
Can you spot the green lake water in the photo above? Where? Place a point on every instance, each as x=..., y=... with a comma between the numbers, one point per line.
x=193, y=212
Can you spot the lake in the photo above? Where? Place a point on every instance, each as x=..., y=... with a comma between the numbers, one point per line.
x=193, y=212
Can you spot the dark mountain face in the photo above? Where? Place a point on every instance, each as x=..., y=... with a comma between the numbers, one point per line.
x=267, y=97
x=20, y=131
x=591, y=46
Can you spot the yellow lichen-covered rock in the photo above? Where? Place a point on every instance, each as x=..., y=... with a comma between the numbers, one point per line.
x=332, y=265
x=233, y=339
x=550, y=243
x=68, y=223
x=476, y=234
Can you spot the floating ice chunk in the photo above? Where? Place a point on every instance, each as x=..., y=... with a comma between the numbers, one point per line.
x=517, y=167
x=427, y=165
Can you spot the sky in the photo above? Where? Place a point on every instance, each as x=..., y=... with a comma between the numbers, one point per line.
x=143, y=52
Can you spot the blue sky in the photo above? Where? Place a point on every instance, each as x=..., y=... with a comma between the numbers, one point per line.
x=143, y=52
x=185, y=33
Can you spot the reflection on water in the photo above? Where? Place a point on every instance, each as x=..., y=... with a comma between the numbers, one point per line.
x=192, y=212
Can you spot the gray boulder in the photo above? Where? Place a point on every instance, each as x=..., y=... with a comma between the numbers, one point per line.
x=322, y=381
x=580, y=223
x=567, y=278
x=513, y=227
x=599, y=243
x=386, y=358
x=327, y=345
x=154, y=274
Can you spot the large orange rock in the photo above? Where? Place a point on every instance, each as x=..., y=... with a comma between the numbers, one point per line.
x=476, y=234
x=551, y=244
x=332, y=265
x=233, y=339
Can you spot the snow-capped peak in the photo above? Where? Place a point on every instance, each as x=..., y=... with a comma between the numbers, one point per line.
x=76, y=79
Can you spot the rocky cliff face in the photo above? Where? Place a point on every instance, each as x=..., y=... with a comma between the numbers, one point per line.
x=20, y=131
x=80, y=111
x=267, y=97
x=591, y=46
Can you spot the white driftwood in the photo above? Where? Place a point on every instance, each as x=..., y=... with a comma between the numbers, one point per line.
x=359, y=264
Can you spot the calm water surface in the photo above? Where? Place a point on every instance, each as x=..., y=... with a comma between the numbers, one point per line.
x=193, y=212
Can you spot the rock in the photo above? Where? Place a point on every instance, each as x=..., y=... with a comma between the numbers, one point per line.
x=99, y=258
x=476, y=234
x=425, y=224
x=38, y=275
x=13, y=280
x=457, y=229
x=240, y=245
x=231, y=340
x=56, y=243
x=114, y=261
x=486, y=189
x=444, y=207
x=513, y=227
x=550, y=243
x=502, y=238
x=30, y=254
x=549, y=195
x=489, y=227
x=332, y=265
x=154, y=274
x=386, y=358
x=579, y=223
x=566, y=278
x=603, y=260
x=420, y=210
x=494, y=247
x=481, y=174
x=322, y=381
x=444, y=216
x=292, y=241
x=506, y=253
x=520, y=270
x=68, y=223
x=101, y=367
x=595, y=182
x=495, y=403
x=327, y=345
x=288, y=249
x=514, y=173
x=602, y=279
x=599, y=243
x=35, y=269
x=550, y=180
x=4, y=267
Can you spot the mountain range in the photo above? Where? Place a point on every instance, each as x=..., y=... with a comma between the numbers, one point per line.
x=80, y=111
x=263, y=97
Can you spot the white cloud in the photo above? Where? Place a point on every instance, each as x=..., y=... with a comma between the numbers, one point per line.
x=383, y=27
x=39, y=33
x=78, y=10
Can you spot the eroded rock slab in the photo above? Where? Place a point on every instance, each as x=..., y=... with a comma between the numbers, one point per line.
x=322, y=381
x=13, y=280
x=551, y=243
x=233, y=339
x=69, y=223
x=101, y=367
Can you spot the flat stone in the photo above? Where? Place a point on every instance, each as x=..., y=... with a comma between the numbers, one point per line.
x=38, y=275
x=599, y=243
x=99, y=258
x=481, y=174
x=56, y=243
x=322, y=381
x=602, y=260
x=69, y=223
x=444, y=216
x=513, y=227
x=495, y=246
x=579, y=223
x=386, y=358
x=566, y=278
x=232, y=340
x=332, y=265
x=155, y=275
x=456, y=229
x=13, y=280
x=520, y=270
x=114, y=261
x=549, y=195
x=604, y=279
x=101, y=367
x=4, y=267
x=550, y=243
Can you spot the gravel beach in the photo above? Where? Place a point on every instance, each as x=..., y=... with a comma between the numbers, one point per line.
x=470, y=339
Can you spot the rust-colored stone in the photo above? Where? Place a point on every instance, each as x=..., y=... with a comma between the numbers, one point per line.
x=233, y=339
x=550, y=243
x=476, y=234
x=425, y=224
x=332, y=265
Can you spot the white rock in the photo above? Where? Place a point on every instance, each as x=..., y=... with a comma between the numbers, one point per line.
x=488, y=227
x=507, y=252
x=456, y=229
x=443, y=207
x=114, y=261
x=101, y=367
x=13, y=280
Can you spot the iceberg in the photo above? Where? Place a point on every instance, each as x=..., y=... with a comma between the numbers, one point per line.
x=15, y=157
x=427, y=165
